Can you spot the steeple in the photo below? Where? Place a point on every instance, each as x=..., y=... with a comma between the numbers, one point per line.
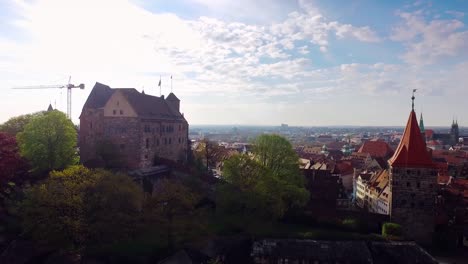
x=411, y=152
x=421, y=124
x=50, y=108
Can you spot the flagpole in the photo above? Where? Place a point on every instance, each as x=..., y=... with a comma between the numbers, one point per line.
x=171, y=83
x=160, y=86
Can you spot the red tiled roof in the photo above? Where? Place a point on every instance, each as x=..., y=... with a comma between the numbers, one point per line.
x=411, y=151
x=376, y=149
x=429, y=133
x=443, y=179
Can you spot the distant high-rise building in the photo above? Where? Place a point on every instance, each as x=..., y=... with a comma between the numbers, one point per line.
x=413, y=181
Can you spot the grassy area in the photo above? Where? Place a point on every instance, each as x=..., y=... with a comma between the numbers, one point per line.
x=259, y=229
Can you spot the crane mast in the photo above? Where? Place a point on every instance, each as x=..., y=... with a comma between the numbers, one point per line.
x=68, y=86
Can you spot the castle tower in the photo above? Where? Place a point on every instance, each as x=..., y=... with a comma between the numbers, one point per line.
x=413, y=181
x=173, y=101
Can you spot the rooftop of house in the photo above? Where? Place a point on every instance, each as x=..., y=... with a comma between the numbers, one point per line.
x=412, y=151
x=146, y=106
x=376, y=149
x=342, y=251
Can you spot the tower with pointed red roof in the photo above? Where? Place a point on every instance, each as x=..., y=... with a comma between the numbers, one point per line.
x=413, y=181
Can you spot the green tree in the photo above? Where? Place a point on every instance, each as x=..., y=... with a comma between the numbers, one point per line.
x=267, y=183
x=171, y=211
x=77, y=207
x=49, y=141
x=16, y=124
x=277, y=155
x=210, y=152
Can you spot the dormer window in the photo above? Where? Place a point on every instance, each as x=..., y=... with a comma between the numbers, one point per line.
x=121, y=112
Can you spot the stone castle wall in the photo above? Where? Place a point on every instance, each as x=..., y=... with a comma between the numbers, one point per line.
x=413, y=201
x=137, y=141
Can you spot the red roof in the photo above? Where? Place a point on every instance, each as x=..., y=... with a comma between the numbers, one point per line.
x=429, y=133
x=411, y=151
x=376, y=149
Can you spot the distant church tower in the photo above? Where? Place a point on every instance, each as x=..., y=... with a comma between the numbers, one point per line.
x=454, y=133
x=421, y=127
x=413, y=181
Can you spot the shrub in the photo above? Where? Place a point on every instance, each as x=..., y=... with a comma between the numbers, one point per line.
x=391, y=230
x=351, y=224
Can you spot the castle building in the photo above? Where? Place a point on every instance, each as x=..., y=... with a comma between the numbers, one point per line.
x=413, y=182
x=132, y=127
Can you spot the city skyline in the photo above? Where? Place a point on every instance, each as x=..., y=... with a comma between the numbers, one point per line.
x=304, y=63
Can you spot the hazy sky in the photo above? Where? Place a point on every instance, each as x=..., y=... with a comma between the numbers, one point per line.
x=244, y=62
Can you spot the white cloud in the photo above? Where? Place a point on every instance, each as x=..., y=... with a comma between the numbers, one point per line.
x=227, y=66
x=429, y=41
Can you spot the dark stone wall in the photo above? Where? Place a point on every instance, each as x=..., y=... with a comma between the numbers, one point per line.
x=91, y=129
x=413, y=201
x=136, y=141
x=125, y=134
x=165, y=139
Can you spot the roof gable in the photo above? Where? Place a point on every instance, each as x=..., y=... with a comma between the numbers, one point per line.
x=376, y=149
x=98, y=96
x=145, y=106
x=172, y=97
x=411, y=152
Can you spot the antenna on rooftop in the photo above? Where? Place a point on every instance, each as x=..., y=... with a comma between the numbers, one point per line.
x=412, y=100
x=159, y=85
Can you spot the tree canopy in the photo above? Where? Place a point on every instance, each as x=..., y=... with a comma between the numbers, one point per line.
x=269, y=180
x=172, y=209
x=11, y=163
x=49, y=141
x=79, y=206
x=16, y=124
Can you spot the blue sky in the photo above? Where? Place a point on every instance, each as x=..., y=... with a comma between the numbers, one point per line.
x=260, y=62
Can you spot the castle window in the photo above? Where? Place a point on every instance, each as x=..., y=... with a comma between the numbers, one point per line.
x=147, y=129
x=114, y=112
x=418, y=184
x=408, y=172
x=122, y=146
x=157, y=142
x=180, y=127
x=91, y=125
x=421, y=204
x=412, y=205
x=170, y=140
x=146, y=156
x=121, y=112
x=419, y=172
x=165, y=141
x=403, y=202
x=147, y=143
x=430, y=185
x=117, y=102
x=408, y=184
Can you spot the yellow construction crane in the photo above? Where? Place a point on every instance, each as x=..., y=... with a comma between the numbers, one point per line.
x=69, y=87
